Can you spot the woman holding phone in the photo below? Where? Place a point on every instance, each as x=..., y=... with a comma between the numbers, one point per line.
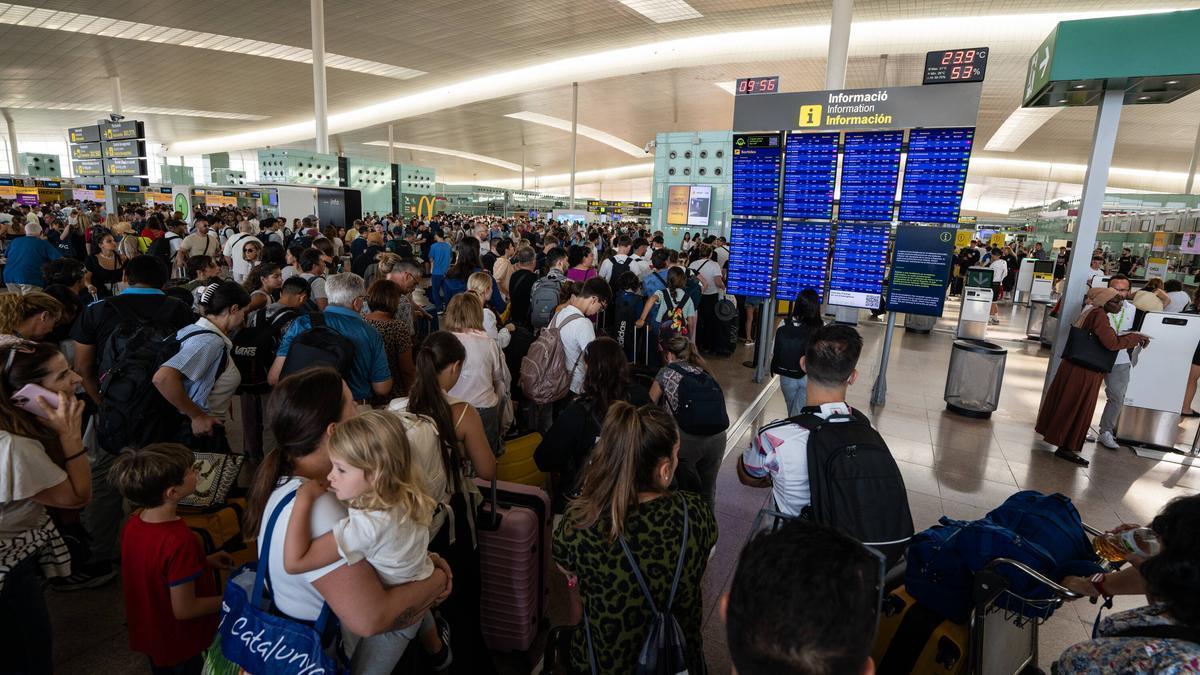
x=45, y=464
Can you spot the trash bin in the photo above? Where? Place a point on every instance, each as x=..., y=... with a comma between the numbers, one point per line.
x=974, y=378
x=1037, y=319
x=1049, y=325
x=919, y=323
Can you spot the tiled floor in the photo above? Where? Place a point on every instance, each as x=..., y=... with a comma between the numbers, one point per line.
x=952, y=465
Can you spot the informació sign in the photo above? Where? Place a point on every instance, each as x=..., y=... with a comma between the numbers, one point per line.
x=951, y=105
x=921, y=260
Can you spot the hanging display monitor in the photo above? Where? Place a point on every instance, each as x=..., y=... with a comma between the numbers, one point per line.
x=935, y=174
x=859, y=263
x=699, y=200
x=921, y=261
x=870, y=169
x=755, y=174
x=803, y=258
x=809, y=175
x=751, y=249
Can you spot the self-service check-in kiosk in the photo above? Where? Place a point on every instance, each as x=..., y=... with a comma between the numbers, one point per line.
x=1157, y=379
x=976, y=304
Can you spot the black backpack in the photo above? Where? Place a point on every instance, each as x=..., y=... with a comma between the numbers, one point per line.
x=663, y=651
x=855, y=485
x=132, y=412
x=619, y=268
x=160, y=248
x=254, y=349
x=701, y=410
x=319, y=346
x=791, y=341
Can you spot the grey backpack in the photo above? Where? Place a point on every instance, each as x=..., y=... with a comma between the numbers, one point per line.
x=544, y=299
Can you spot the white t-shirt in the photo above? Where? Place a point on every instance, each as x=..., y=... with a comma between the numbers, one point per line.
x=27, y=470
x=722, y=254
x=575, y=338
x=780, y=450
x=395, y=546
x=484, y=378
x=1096, y=278
x=1179, y=301
x=999, y=270
x=294, y=594
x=708, y=271
x=1122, y=323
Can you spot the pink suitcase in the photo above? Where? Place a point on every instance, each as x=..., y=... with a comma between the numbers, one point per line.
x=514, y=558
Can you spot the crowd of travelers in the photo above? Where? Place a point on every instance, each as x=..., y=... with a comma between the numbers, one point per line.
x=369, y=379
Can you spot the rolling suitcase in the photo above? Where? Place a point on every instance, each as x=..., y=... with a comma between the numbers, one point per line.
x=915, y=639
x=513, y=526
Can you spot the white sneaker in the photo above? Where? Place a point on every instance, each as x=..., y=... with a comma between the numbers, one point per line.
x=1106, y=439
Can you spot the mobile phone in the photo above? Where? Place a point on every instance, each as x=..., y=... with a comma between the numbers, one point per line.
x=26, y=398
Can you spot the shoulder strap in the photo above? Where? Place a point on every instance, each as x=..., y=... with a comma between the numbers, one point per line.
x=669, y=300
x=264, y=564
x=637, y=572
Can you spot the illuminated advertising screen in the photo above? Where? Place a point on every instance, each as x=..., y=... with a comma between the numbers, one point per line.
x=699, y=200
x=677, y=204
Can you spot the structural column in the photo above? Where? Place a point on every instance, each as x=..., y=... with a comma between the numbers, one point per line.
x=118, y=106
x=13, y=159
x=574, y=135
x=320, y=110
x=839, y=44
x=391, y=145
x=1095, y=180
x=1191, y=177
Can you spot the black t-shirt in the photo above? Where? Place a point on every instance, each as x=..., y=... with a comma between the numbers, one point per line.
x=362, y=261
x=100, y=318
x=1125, y=264
x=520, y=292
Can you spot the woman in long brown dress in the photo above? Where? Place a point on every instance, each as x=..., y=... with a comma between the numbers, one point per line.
x=1070, y=403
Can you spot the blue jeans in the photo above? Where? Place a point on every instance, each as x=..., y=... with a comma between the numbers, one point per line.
x=435, y=287
x=795, y=393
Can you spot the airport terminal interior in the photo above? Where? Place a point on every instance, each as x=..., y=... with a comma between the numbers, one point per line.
x=889, y=311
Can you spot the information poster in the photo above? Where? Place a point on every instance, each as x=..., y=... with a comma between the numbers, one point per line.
x=870, y=169
x=921, y=261
x=998, y=239
x=677, y=204
x=859, y=263
x=935, y=174
x=756, y=160
x=752, y=247
x=809, y=175
x=1160, y=241
x=803, y=258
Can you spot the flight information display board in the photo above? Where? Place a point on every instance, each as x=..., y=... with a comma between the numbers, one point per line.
x=809, y=175
x=751, y=249
x=756, y=160
x=935, y=174
x=803, y=258
x=859, y=265
x=870, y=169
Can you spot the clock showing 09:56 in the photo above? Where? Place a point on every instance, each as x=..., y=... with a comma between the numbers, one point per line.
x=757, y=85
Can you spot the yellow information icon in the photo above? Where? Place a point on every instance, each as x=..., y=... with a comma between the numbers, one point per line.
x=810, y=115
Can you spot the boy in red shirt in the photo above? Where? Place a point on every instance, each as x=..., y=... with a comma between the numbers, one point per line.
x=172, y=602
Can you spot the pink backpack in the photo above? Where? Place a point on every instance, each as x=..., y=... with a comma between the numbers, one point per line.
x=545, y=377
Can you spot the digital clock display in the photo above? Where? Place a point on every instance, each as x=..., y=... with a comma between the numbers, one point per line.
x=757, y=85
x=955, y=65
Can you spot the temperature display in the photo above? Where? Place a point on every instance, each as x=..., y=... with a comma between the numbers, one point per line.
x=757, y=85
x=955, y=65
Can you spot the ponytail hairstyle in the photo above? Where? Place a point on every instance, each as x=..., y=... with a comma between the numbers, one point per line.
x=16, y=308
x=219, y=296
x=301, y=407
x=24, y=362
x=439, y=351
x=633, y=442
x=676, y=278
x=377, y=443
x=684, y=350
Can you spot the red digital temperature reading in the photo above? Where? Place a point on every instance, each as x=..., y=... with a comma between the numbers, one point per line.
x=955, y=65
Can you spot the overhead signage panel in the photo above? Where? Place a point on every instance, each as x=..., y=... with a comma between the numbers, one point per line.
x=86, y=151
x=124, y=149
x=756, y=159
x=84, y=134
x=124, y=130
x=124, y=167
x=920, y=269
x=881, y=108
x=87, y=167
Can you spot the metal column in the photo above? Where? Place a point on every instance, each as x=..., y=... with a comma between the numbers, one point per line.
x=320, y=104
x=118, y=106
x=391, y=145
x=1191, y=178
x=574, y=136
x=839, y=44
x=1108, y=117
x=13, y=159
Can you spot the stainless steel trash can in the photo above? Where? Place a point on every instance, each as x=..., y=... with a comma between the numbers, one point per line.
x=1037, y=319
x=974, y=378
x=1049, y=325
x=918, y=323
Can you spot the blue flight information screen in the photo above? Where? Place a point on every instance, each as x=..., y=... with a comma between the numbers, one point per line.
x=935, y=174
x=756, y=160
x=803, y=258
x=859, y=265
x=809, y=175
x=870, y=169
x=751, y=249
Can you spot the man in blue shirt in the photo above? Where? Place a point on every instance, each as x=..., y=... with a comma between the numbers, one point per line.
x=439, y=255
x=369, y=372
x=26, y=255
